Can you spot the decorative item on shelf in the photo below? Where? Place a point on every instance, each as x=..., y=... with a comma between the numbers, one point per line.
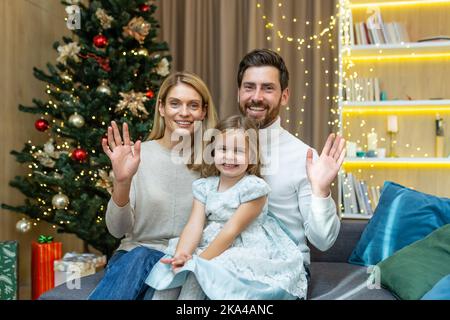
x=371, y=154
x=383, y=96
x=76, y=120
x=372, y=141
x=392, y=129
x=439, y=137
x=9, y=254
x=60, y=201
x=103, y=88
x=23, y=225
x=41, y=125
x=43, y=254
x=360, y=154
x=381, y=153
x=351, y=149
x=76, y=265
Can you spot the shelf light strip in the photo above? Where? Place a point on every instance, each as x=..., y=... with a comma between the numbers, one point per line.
x=388, y=110
x=403, y=164
x=378, y=56
x=396, y=3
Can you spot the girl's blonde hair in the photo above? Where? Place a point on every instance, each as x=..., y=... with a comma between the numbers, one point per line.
x=195, y=82
x=250, y=129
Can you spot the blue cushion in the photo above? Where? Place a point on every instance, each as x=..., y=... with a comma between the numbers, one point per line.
x=402, y=217
x=441, y=291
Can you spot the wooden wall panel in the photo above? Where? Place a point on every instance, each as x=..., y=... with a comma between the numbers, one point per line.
x=27, y=32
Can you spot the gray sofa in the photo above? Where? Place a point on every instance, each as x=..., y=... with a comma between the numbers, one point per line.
x=332, y=278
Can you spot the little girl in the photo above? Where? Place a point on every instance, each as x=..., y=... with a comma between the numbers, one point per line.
x=243, y=253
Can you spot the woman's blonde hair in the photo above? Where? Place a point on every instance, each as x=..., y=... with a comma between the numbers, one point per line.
x=250, y=129
x=196, y=83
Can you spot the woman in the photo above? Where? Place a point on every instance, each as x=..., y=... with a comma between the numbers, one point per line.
x=152, y=196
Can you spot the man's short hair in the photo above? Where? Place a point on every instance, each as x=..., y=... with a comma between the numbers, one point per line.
x=261, y=58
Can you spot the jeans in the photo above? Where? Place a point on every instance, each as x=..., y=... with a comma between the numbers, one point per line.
x=125, y=275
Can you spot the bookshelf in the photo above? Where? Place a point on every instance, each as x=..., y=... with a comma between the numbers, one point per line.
x=381, y=77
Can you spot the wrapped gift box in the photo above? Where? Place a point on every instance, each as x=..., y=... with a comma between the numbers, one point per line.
x=76, y=265
x=43, y=256
x=8, y=270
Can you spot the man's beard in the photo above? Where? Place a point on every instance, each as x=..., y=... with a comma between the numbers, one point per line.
x=271, y=115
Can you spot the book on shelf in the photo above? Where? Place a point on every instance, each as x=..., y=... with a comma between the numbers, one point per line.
x=375, y=31
x=347, y=196
x=362, y=89
x=357, y=197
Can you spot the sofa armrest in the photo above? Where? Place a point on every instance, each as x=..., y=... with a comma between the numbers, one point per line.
x=348, y=237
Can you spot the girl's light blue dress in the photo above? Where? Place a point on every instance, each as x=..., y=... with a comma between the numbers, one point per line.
x=262, y=263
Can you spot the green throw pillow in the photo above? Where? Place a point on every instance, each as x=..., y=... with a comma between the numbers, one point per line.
x=414, y=270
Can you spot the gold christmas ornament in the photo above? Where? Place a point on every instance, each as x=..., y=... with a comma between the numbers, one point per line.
x=137, y=28
x=76, y=120
x=133, y=101
x=104, y=89
x=23, y=225
x=142, y=52
x=60, y=201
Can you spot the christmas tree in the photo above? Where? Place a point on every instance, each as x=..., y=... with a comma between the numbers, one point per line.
x=110, y=69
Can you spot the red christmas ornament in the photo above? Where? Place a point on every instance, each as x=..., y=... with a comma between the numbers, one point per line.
x=100, y=41
x=79, y=155
x=41, y=125
x=144, y=7
x=150, y=94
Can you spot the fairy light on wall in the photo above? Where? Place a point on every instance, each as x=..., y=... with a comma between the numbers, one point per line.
x=303, y=44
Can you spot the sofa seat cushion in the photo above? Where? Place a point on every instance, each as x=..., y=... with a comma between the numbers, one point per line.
x=63, y=292
x=342, y=281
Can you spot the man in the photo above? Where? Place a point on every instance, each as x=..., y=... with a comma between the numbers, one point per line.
x=301, y=195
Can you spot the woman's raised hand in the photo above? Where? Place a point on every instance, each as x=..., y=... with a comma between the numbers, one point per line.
x=124, y=160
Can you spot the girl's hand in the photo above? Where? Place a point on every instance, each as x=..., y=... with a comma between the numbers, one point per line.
x=124, y=161
x=178, y=261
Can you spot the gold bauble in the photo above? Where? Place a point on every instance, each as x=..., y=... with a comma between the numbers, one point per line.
x=142, y=52
x=23, y=225
x=104, y=89
x=60, y=201
x=76, y=120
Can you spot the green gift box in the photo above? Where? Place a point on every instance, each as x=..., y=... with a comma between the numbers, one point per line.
x=8, y=270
